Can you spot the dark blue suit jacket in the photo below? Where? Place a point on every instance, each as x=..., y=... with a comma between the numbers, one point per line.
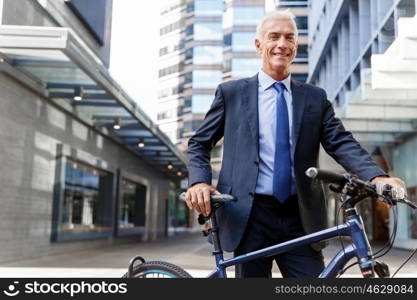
x=234, y=116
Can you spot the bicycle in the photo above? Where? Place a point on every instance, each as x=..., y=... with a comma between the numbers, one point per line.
x=352, y=190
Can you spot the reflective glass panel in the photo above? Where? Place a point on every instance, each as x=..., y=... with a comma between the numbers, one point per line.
x=201, y=103
x=207, y=55
x=85, y=207
x=208, y=31
x=243, y=41
x=245, y=67
x=206, y=79
x=132, y=205
x=208, y=7
x=247, y=15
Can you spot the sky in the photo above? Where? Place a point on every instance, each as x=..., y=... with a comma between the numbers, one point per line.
x=134, y=50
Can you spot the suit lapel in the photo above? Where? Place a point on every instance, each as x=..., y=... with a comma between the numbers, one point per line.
x=249, y=90
x=298, y=104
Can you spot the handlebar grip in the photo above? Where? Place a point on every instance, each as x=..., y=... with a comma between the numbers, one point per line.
x=218, y=198
x=327, y=176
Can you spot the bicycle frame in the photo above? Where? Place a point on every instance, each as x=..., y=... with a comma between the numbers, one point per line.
x=353, y=227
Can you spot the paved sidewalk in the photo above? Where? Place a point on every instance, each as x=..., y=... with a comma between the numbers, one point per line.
x=191, y=252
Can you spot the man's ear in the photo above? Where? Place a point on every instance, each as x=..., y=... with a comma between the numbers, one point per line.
x=258, y=46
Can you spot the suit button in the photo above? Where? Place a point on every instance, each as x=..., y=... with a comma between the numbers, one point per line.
x=251, y=194
x=256, y=162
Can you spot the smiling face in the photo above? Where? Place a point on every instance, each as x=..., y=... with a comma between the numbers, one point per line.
x=278, y=47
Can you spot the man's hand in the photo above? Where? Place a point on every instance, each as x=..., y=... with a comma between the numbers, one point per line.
x=198, y=197
x=392, y=181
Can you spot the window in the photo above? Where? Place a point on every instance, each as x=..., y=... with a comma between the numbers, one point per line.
x=167, y=114
x=190, y=126
x=247, y=15
x=227, y=40
x=206, y=79
x=201, y=103
x=170, y=70
x=170, y=91
x=292, y=3
x=302, y=51
x=171, y=27
x=208, y=31
x=132, y=205
x=243, y=41
x=87, y=204
x=207, y=55
x=245, y=67
x=302, y=22
x=208, y=7
x=163, y=51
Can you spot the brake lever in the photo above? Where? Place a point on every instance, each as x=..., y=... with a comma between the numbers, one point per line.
x=397, y=195
x=409, y=203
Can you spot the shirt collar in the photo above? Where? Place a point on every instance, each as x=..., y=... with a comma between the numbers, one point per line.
x=266, y=81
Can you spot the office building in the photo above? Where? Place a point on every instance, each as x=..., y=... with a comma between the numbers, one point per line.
x=362, y=54
x=82, y=165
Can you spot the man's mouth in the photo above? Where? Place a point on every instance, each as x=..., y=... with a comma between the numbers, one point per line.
x=282, y=55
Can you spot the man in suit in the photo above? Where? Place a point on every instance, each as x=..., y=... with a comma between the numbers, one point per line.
x=272, y=128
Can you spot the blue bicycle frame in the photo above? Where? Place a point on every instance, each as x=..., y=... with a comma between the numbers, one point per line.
x=353, y=227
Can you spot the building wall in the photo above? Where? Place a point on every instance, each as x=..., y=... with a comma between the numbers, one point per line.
x=30, y=131
x=171, y=68
x=344, y=34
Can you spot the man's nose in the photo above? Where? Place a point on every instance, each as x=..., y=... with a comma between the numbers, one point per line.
x=282, y=42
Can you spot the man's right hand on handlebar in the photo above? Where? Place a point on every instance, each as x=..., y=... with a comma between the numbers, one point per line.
x=198, y=197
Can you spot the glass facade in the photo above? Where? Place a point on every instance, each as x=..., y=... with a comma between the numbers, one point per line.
x=208, y=31
x=243, y=41
x=200, y=104
x=245, y=67
x=247, y=15
x=302, y=24
x=208, y=7
x=207, y=55
x=206, y=79
x=132, y=205
x=302, y=51
x=87, y=203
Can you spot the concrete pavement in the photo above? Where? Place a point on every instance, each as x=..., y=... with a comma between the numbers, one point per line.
x=190, y=251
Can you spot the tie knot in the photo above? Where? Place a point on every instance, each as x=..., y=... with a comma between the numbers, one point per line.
x=279, y=86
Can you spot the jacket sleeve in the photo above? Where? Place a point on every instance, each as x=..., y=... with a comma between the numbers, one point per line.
x=342, y=146
x=203, y=141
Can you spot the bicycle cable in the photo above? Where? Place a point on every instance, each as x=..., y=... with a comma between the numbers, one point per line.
x=388, y=244
x=338, y=233
x=406, y=261
x=387, y=247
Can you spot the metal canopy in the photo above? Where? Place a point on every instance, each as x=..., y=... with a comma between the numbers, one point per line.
x=55, y=63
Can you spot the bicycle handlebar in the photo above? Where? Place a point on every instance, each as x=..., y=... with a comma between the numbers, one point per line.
x=394, y=195
x=217, y=198
x=326, y=175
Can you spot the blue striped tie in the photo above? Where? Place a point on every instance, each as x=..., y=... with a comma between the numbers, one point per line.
x=282, y=160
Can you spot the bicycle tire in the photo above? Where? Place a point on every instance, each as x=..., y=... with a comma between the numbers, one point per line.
x=158, y=269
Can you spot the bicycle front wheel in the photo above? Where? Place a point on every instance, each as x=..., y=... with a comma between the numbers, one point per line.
x=158, y=269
